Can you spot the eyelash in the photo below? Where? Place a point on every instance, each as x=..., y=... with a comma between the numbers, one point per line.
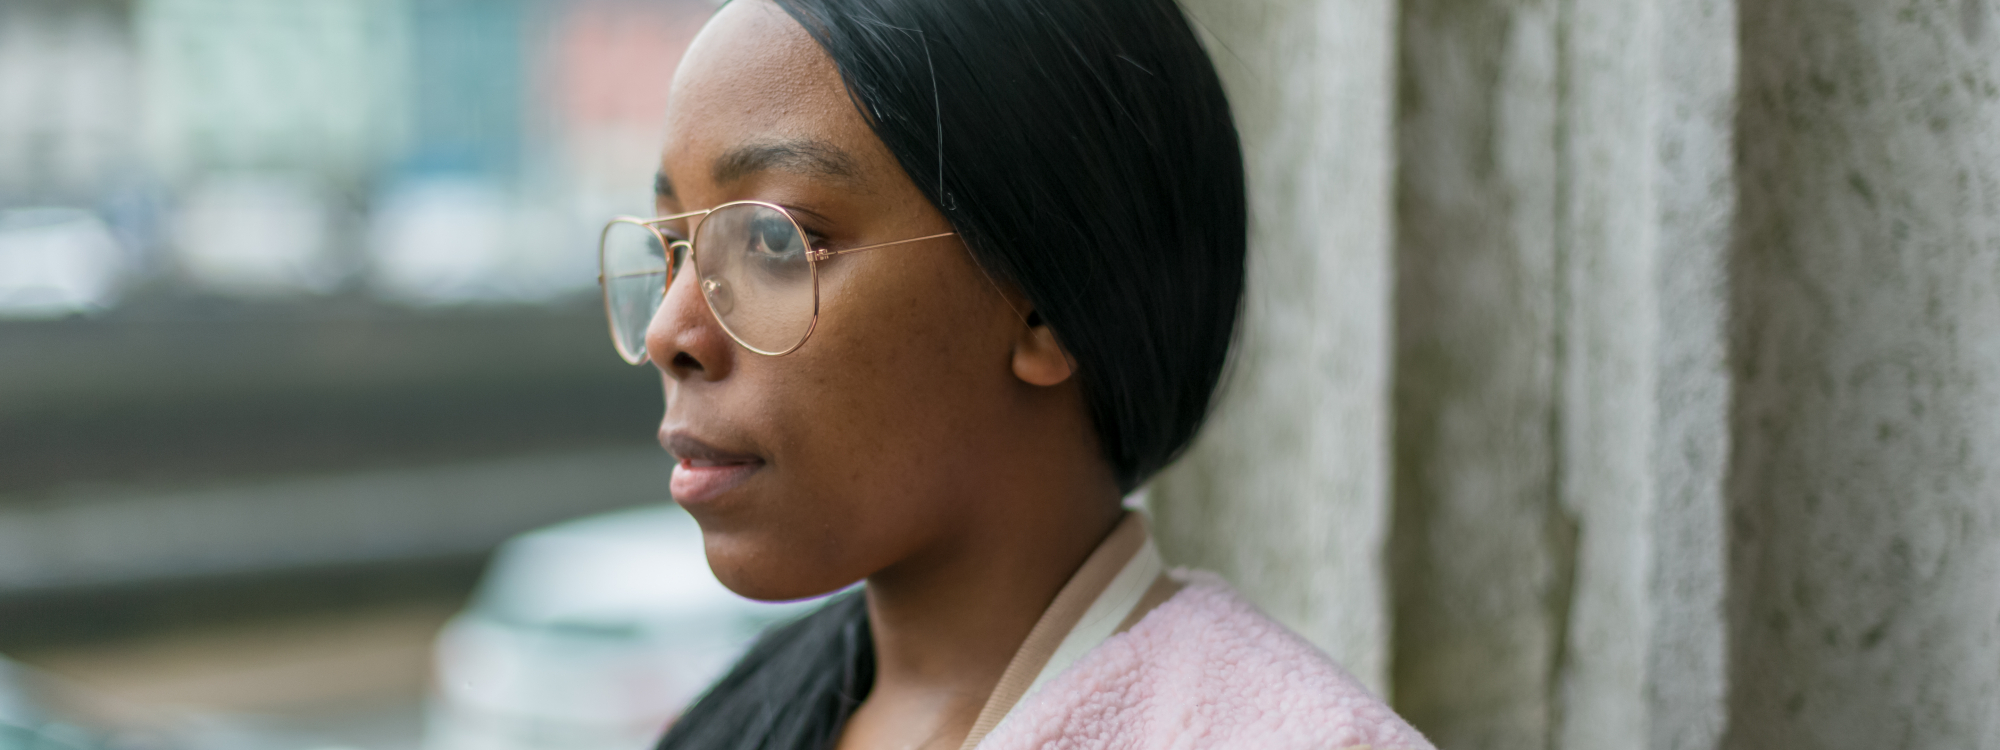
x=814, y=239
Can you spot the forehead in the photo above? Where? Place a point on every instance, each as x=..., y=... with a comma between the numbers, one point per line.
x=752, y=76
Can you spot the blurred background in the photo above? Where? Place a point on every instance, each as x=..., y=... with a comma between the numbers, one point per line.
x=298, y=321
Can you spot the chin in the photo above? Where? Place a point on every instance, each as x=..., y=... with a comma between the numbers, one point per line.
x=769, y=570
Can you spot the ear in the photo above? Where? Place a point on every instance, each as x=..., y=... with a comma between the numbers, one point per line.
x=1038, y=358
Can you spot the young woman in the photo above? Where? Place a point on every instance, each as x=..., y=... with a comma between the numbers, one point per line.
x=932, y=286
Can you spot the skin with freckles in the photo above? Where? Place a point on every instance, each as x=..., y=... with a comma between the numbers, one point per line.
x=924, y=438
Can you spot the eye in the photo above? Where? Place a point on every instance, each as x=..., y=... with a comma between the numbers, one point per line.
x=774, y=239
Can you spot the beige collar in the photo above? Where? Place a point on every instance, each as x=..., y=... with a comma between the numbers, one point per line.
x=1121, y=581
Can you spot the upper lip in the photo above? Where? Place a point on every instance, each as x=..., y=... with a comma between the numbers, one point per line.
x=694, y=451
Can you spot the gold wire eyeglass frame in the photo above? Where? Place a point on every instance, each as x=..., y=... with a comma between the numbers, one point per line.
x=813, y=257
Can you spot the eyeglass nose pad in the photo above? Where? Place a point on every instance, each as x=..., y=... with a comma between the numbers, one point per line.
x=719, y=297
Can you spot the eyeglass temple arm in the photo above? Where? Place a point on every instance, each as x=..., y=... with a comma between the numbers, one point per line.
x=824, y=254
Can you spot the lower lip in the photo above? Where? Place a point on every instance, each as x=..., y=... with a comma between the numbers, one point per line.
x=693, y=485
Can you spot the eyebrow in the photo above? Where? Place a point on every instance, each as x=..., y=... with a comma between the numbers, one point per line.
x=807, y=157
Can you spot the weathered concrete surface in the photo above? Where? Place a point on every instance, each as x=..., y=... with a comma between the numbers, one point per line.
x=1691, y=366
x=1866, y=470
x=1693, y=111
x=1286, y=492
x=1482, y=553
x=1608, y=416
x=1648, y=113
x=1566, y=199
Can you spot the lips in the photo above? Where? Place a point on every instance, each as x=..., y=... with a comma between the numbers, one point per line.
x=705, y=471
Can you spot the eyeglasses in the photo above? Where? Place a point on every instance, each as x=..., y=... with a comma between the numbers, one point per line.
x=754, y=265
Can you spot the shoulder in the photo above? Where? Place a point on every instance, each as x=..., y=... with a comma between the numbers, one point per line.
x=1205, y=669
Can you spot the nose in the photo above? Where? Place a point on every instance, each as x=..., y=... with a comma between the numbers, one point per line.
x=684, y=340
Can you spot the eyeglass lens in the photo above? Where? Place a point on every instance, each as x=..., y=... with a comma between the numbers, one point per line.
x=635, y=280
x=751, y=267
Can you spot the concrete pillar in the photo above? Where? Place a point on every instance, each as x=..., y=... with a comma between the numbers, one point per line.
x=1669, y=353
x=1566, y=199
x=1607, y=415
x=1286, y=491
x=1865, y=487
x=1649, y=102
x=1482, y=553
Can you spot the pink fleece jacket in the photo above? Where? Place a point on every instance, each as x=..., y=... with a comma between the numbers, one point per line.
x=1204, y=670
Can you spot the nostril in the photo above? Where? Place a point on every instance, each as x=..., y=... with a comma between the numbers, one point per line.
x=685, y=361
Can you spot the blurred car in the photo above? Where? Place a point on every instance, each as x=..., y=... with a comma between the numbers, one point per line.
x=589, y=635
x=56, y=262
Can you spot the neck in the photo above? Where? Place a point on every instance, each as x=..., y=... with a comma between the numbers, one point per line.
x=947, y=622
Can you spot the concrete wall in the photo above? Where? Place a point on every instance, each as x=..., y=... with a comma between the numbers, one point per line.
x=1648, y=212
x=1311, y=84
x=1483, y=552
x=1865, y=571
x=1681, y=426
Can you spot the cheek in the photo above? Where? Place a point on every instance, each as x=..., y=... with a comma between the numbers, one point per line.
x=880, y=421
x=904, y=383
x=908, y=359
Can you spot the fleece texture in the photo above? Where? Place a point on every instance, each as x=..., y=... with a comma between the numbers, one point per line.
x=1204, y=670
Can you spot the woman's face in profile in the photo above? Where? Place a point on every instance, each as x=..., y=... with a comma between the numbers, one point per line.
x=838, y=461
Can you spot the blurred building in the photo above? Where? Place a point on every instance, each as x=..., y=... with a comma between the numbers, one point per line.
x=433, y=151
x=320, y=87
x=607, y=118
x=68, y=97
x=470, y=95
x=353, y=243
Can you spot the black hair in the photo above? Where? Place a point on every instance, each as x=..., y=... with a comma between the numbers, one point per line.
x=794, y=689
x=1085, y=152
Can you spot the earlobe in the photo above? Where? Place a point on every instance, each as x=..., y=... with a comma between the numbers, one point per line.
x=1039, y=359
